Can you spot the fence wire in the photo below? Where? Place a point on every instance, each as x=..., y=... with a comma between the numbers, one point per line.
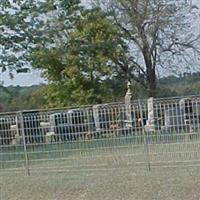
x=153, y=132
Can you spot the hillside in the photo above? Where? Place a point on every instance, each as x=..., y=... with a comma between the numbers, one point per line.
x=188, y=84
x=14, y=98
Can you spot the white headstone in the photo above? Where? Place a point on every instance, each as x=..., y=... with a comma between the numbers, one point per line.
x=151, y=120
x=128, y=98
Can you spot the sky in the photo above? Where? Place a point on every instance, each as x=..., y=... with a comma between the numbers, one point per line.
x=23, y=79
x=33, y=77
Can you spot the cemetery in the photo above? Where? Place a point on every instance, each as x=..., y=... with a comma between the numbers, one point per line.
x=77, y=145
x=99, y=99
x=120, y=119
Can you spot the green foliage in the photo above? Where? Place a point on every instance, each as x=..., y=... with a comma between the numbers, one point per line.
x=83, y=69
x=87, y=55
x=188, y=84
x=112, y=90
x=15, y=98
x=27, y=24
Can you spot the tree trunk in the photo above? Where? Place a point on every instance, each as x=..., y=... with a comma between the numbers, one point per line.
x=151, y=81
x=150, y=73
x=150, y=68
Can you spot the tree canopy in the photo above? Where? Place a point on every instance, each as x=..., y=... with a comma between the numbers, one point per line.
x=84, y=67
x=88, y=54
x=159, y=33
x=26, y=24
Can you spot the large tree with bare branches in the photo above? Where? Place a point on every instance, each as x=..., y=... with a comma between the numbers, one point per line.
x=159, y=33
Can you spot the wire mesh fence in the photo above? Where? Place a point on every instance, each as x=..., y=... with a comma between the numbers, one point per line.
x=143, y=133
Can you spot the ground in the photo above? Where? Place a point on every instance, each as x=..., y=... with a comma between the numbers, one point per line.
x=124, y=184
x=106, y=169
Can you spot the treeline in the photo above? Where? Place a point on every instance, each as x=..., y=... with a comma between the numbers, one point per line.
x=14, y=98
x=187, y=84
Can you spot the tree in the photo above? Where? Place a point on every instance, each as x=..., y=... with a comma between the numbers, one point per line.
x=26, y=24
x=159, y=33
x=84, y=67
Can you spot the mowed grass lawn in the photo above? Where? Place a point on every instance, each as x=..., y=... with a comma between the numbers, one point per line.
x=131, y=184
x=100, y=153
x=104, y=169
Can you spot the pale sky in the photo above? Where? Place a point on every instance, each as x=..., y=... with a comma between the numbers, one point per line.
x=32, y=78
x=23, y=79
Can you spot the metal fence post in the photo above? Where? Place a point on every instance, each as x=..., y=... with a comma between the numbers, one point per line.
x=146, y=146
x=21, y=121
x=146, y=150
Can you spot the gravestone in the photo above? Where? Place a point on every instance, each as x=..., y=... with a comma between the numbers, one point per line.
x=150, y=126
x=128, y=98
x=180, y=116
x=101, y=118
x=96, y=117
x=186, y=107
x=189, y=113
x=173, y=118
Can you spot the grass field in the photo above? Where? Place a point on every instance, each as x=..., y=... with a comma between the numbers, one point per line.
x=71, y=154
x=130, y=184
x=102, y=153
x=110, y=168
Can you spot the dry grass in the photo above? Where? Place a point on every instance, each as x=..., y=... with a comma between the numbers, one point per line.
x=128, y=184
x=103, y=171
